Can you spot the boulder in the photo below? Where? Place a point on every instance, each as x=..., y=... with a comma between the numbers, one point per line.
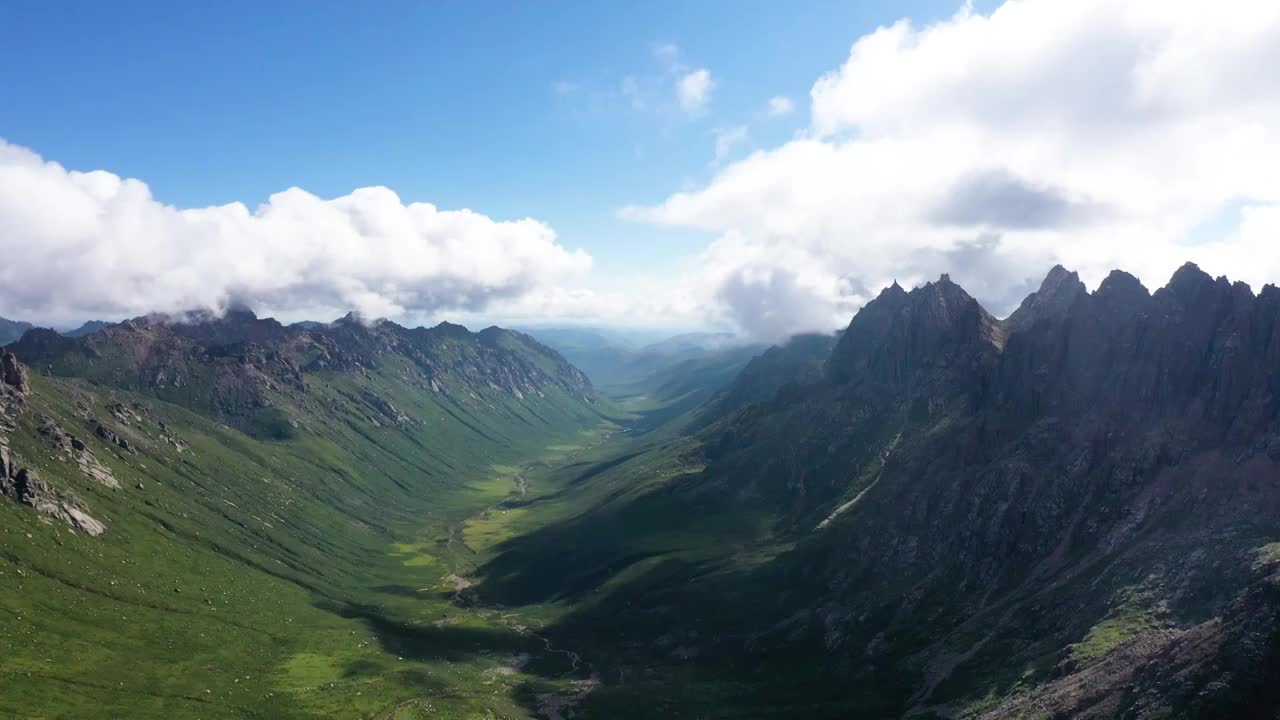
x=13, y=374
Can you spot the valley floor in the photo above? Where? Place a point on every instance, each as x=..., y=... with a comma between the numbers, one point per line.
x=408, y=640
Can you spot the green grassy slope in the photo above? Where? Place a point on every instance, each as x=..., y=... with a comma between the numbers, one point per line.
x=301, y=576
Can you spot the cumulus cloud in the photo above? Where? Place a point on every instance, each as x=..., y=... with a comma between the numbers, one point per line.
x=1099, y=134
x=727, y=139
x=781, y=105
x=693, y=90
x=93, y=244
x=996, y=198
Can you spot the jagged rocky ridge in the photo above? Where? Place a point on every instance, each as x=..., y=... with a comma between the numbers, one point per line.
x=238, y=367
x=1072, y=512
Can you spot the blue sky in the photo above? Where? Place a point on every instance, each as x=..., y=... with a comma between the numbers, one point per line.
x=451, y=103
x=987, y=140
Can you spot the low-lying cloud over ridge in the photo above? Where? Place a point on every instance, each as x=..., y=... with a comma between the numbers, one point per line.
x=1094, y=133
x=91, y=244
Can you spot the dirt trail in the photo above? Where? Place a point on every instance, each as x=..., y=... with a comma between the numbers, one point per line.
x=884, y=457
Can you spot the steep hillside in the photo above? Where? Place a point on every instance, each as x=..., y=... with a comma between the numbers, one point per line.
x=227, y=518
x=1070, y=513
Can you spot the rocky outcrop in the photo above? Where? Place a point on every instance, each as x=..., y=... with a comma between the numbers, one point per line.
x=23, y=485
x=27, y=488
x=13, y=374
x=72, y=449
x=14, y=386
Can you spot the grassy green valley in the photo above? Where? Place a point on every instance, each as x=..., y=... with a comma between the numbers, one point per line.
x=229, y=518
x=313, y=571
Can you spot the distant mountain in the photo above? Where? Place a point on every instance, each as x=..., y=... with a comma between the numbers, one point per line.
x=89, y=327
x=11, y=330
x=1071, y=513
x=694, y=341
x=582, y=338
x=678, y=384
x=614, y=359
x=244, y=370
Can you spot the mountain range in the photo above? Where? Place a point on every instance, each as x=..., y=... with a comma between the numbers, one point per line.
x=1071, y=512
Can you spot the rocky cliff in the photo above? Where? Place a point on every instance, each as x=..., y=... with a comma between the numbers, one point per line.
x=1071, y=512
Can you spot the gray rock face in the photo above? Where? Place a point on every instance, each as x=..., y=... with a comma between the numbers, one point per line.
x=75, y=450
x=13, y=391
x=30, y=490
x=24, y=486
x=13, y=374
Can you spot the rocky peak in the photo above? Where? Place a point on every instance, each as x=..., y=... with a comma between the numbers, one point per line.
x=237, y=324
x=901, y=337
x=1189, y=284
x=354, y=317
x=451, y=330
x=1121, y=288
x=1060, y=289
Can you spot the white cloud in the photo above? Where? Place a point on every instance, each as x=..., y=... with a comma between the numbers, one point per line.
x=727, y=139
x=780, y=105
x=92, y=244
x=1095, y=133
x=626, y=301
x=694, y=91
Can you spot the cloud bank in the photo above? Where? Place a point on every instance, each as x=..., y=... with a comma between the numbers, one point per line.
x=91, y=244
x=1095, y=133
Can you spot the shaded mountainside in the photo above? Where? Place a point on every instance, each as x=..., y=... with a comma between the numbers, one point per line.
x=1073, y=512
